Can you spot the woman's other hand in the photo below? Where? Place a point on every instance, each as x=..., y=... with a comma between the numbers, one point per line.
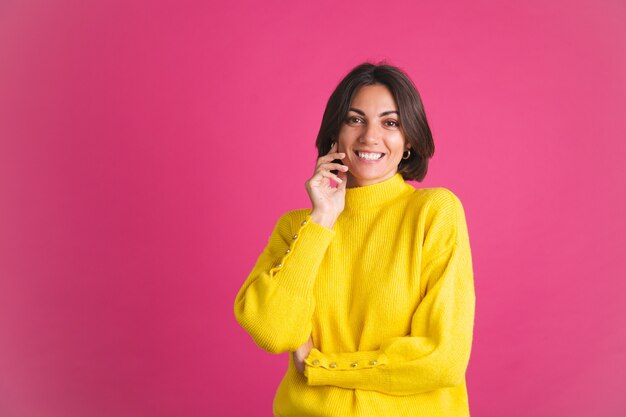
x=301, y=354
x=327, y=201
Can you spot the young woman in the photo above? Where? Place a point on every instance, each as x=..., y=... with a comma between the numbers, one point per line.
x=371, y=289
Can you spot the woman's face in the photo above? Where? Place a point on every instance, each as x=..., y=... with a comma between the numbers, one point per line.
x=371, y=137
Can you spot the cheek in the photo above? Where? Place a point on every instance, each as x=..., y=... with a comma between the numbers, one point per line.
x=345, y=140
x=398, y=143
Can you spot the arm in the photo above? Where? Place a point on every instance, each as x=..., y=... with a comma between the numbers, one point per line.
x=436, y=352
x=275, y=303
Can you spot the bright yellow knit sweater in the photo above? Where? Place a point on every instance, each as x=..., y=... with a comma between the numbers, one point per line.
x=387, y=295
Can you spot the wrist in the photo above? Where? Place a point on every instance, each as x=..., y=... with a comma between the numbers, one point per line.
x=323, y=219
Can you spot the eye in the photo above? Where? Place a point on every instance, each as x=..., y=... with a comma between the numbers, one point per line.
x=354, y=119
x=392, y=123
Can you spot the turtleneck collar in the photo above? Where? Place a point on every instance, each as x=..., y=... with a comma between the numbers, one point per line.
x=375, y=195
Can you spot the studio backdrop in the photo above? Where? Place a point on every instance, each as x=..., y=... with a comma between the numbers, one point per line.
x=147, y=149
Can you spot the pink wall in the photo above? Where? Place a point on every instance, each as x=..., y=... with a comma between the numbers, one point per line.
x=147, y=149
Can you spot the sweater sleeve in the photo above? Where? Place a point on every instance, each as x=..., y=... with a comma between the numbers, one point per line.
x=275, y=304
x=436, y=352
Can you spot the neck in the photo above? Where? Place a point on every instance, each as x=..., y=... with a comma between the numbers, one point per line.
x=354, y=182
x=375, y=195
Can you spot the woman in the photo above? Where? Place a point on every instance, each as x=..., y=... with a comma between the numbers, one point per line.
x=372, y=288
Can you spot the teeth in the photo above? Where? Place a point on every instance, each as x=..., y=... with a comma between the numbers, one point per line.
x=370, y=156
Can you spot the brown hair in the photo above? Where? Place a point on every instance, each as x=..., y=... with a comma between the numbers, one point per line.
x=413, y=123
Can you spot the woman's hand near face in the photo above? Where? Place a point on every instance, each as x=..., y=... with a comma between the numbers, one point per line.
x=301, y=354
x=327, y=202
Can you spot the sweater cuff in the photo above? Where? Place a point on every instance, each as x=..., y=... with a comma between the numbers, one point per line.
x=340, y=368
x=303, y=256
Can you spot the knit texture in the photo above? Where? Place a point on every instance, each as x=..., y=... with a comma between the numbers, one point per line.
x=387, y=295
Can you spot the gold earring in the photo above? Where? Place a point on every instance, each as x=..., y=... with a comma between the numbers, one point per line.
x=408, y=155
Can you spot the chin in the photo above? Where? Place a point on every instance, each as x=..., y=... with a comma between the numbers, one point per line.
x=373, y=177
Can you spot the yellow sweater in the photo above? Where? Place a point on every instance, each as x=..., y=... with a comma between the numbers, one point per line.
x=387, y=295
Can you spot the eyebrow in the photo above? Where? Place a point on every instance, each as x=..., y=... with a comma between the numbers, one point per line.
x=362, y=113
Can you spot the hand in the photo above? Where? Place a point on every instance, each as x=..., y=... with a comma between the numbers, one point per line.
x=301, y=354
x=327, y=202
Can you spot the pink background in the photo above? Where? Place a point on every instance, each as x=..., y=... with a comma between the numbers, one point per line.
x=148, y=148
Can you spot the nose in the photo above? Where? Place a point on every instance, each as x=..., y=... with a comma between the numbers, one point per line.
x=371, y=134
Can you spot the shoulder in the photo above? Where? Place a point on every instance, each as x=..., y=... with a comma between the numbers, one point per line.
x=442, y=217
x=437, y=200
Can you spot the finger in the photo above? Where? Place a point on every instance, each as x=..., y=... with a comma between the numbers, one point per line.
x=332, y=166
x=332, y=154
x=330, y=157
x=342, y=185
x=322, y=177
x=328, y=174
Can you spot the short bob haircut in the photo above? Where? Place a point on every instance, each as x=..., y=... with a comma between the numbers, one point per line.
x=413, y=123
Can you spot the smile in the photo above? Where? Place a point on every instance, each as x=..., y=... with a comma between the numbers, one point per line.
x=370, y=156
